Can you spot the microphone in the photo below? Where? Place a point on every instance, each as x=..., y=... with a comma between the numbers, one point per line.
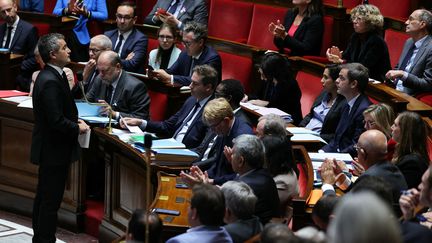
x=148, y=142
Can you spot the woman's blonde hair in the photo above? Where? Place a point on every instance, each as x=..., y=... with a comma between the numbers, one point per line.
x=383, y=116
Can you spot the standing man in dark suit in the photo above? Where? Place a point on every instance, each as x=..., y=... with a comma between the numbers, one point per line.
x=178, y=12
x=55, y=135
x=413, y=72
x=127, y=41
x=123, y=94
x=19, y=37
x=352, y=82
x=186, y=125
x=196, y=52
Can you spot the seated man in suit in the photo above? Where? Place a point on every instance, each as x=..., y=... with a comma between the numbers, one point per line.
x=178, y=12
x=136, y=231
x=352, y=82
x=247, y=159
x=270, y=124
x=413, y=72
x=205, y=216
x=219, y=117
x=196, y=52
x=372, y=152
x=186, y=125
x=19, y=37
x=98, y=44
x=123, y=94
x=128, y=42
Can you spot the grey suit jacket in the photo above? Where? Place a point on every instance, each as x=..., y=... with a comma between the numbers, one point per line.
x=192, y=10
x=420, y=74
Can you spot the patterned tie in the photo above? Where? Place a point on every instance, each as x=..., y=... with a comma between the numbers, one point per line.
x=172, y=9
x=8, y=37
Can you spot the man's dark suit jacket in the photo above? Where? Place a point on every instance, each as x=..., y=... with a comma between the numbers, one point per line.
x=264, y=188
x=420, y=74
x=136, y=43
x=415, y=233
x=413, y=166
x=196, y=131
x=332, y=118
x=181, y=68
x=192, y=10
x=307, y=38
x=55, y=133
x=24, y=43
x=130, y=97
x=349, y=128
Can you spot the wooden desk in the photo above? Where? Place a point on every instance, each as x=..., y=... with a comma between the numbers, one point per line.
x=10, y=67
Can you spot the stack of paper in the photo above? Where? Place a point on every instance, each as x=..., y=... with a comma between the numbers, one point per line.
x=90, y=112
x=318, y=159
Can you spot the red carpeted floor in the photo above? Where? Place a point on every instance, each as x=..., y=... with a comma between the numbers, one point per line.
x=94, y=215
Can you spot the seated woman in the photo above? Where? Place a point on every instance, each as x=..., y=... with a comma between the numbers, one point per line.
x=326, y=110
x=280, y=90
x=167, y=53
x=411, y=155
x=366, y=45
x=302, y=30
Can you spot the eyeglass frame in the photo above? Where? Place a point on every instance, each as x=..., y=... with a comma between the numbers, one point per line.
x=125, y=17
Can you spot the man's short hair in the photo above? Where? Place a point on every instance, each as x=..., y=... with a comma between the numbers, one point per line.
x=426, y=16
x=216, y=110
x=277, y=233
x=239, y=199
x=138, y=222
x=128, y=4
x=49, y=43
x=232, y=90
x=251, y=148
x=209, y=202
x=103, y=41
x=325, y=207
x=199, y=30
x=357, y=71
x=112, y=56
x=274, y=125
x=208, y=74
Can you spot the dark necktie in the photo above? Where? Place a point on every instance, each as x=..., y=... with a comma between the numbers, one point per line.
x=188, y=118
x=172, y=9
x=119, y=43
x=192, y=66
x=407, y=58
x=108, y=94
x=65, y=79
x=8, y=37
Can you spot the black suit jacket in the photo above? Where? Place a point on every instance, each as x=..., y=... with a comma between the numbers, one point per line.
x=332, y=118
x=308, y=37
x=371, y=51
x=415, y=233
x=192, y=10
x=349, y=128
x=196, y=131
x=413, y=167
x=130, y=97
x=181, y=68
x=55, y=132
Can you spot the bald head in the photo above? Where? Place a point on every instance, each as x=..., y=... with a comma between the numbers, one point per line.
x=109, y=66
x=374, y=142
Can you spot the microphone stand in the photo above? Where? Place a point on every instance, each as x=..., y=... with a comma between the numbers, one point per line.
x=147, y=145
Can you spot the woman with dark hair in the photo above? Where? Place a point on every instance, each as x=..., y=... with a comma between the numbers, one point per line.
x=366, y=45
x=281, y=89
x=411, y=155
x=167, y=52
x=302, y=30
x=326, y=110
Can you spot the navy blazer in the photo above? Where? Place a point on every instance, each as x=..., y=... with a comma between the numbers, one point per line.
x=55, y=132
x=420, y=74
x=332, y=118
x=349, y=128
x=181, y=68
x=196, y=132
x=130, y=96
x=307, y=38
x=192, y=10
x=136, y=43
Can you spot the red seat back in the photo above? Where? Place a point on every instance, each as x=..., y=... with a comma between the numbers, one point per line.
x=49, y=6
x=237, y=67
x=395, y=41
x=42, y=28
x=327, y=41
x=346, y=3
x=230, y=20
x=158, y=105
x=425, y=98
x=311, y=87
x=144, y=8
x=262, y=16
x=398, y=10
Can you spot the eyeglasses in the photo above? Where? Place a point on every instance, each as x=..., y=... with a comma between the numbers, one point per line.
x=125, y=17
x=357, y=19
x=187, y=43
x=94, y=50
x=165, y=37
x=369, y=123
x=358, y=147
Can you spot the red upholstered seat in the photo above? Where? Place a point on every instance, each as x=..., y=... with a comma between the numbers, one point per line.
x=230, y=20
x=395, y=42
x=398, y=10
x=95, y=28
x=158, y=105
x=327, y=40
x=311, y=87
x=237, y=67
x=425, y=98
x=144, y=7
x=49, y=6
x=346, y=3
x=429, y=148
x=42, y=28
x=262, y=16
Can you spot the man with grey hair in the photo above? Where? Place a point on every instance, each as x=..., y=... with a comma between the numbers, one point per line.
x=196, y=52
x=123, y=94
x=240, y=202
x=271, y=124
x=413, y=73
